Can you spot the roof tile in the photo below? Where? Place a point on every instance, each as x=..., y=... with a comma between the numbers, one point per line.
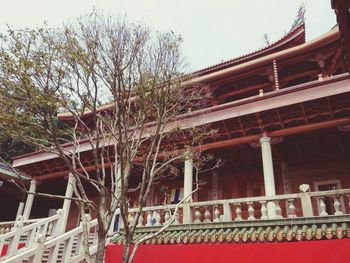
x=285, y=233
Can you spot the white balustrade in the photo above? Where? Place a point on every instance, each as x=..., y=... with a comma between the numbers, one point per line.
x=251, y=211
x=166, y=216
x=155, y=216
x=278, y=210
x=216, y=214
x=197, y=215
x=207, y=215
x=177, y=218
x=263, y=210
x=149, y=218
x=238, y=212
x=36, y=233
x=323, y=207
x=64, y=242
x=140, y=221
x=245, y=208
x=291, y=209
x=42, y=227
x=337, y=206
x=132, y=219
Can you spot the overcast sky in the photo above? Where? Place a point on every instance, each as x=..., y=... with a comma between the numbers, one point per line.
x=213, y=30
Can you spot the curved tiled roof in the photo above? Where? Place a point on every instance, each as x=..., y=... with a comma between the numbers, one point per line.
x=293, y=38
x=286, y=233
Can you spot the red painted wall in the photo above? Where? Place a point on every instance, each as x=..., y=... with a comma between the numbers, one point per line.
x=324, y=251
x=5, y=247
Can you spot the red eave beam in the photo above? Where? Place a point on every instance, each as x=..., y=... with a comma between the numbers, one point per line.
x=232, y=142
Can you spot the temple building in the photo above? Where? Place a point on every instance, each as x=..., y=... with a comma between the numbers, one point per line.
x=280, y=122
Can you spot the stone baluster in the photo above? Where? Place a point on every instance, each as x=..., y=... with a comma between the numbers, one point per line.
x=207, y=215
x=149, y=218
x=140, y=222
x=177, y=218
x=323, y=207
x=156, y=217
x=197, y=215
x=132, y=219
x=49, y=228
x=251, y=211
x=238, y=212
x=166, y=216
x=291, y=209
x=216, y=214
x=337, y=206
x=263, y=210
x=278, y=210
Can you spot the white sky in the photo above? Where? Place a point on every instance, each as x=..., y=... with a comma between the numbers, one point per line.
x=213, y=30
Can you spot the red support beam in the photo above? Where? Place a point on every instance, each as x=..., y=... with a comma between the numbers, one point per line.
x=231, y=142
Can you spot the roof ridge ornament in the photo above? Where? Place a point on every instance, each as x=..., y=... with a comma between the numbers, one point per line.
x=300, y=19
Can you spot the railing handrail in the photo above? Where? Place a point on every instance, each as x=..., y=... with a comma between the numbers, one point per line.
x=246, y=199
x=41, y=222
x=24, y=221
x=27, y=228
x=59, y=239
x=153, y=208
x=330, y=192
x=56, y=241
x=271, y=198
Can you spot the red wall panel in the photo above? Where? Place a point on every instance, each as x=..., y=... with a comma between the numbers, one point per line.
x=324, y=251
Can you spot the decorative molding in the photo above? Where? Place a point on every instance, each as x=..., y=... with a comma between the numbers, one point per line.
x=344, y=127
x=274, y=140
x=254, y=144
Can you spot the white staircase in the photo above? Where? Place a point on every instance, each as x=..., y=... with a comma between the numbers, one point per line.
x=44, y=242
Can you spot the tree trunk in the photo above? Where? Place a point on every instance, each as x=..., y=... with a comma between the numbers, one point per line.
x=126, y=252
x=101, y=247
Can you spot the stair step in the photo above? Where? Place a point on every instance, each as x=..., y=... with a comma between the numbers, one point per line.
x=60, y=251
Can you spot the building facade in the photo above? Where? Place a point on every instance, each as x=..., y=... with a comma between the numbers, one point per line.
x=280, y=122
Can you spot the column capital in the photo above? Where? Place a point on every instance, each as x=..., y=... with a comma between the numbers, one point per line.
x=33, y=181
x=188, y=154
x=271, y=140
x=265, y=139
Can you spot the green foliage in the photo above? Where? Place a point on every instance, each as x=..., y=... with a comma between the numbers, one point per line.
x=30, y=74
x=10, y=148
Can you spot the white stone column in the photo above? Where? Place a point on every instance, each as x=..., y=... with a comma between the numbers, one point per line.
x=269, y=179
x=20, y=209
x=67, y=202
x=188, y=183
x=188, y=178
x=29, y=201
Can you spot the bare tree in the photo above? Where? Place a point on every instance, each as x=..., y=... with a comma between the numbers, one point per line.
x=121, y=87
